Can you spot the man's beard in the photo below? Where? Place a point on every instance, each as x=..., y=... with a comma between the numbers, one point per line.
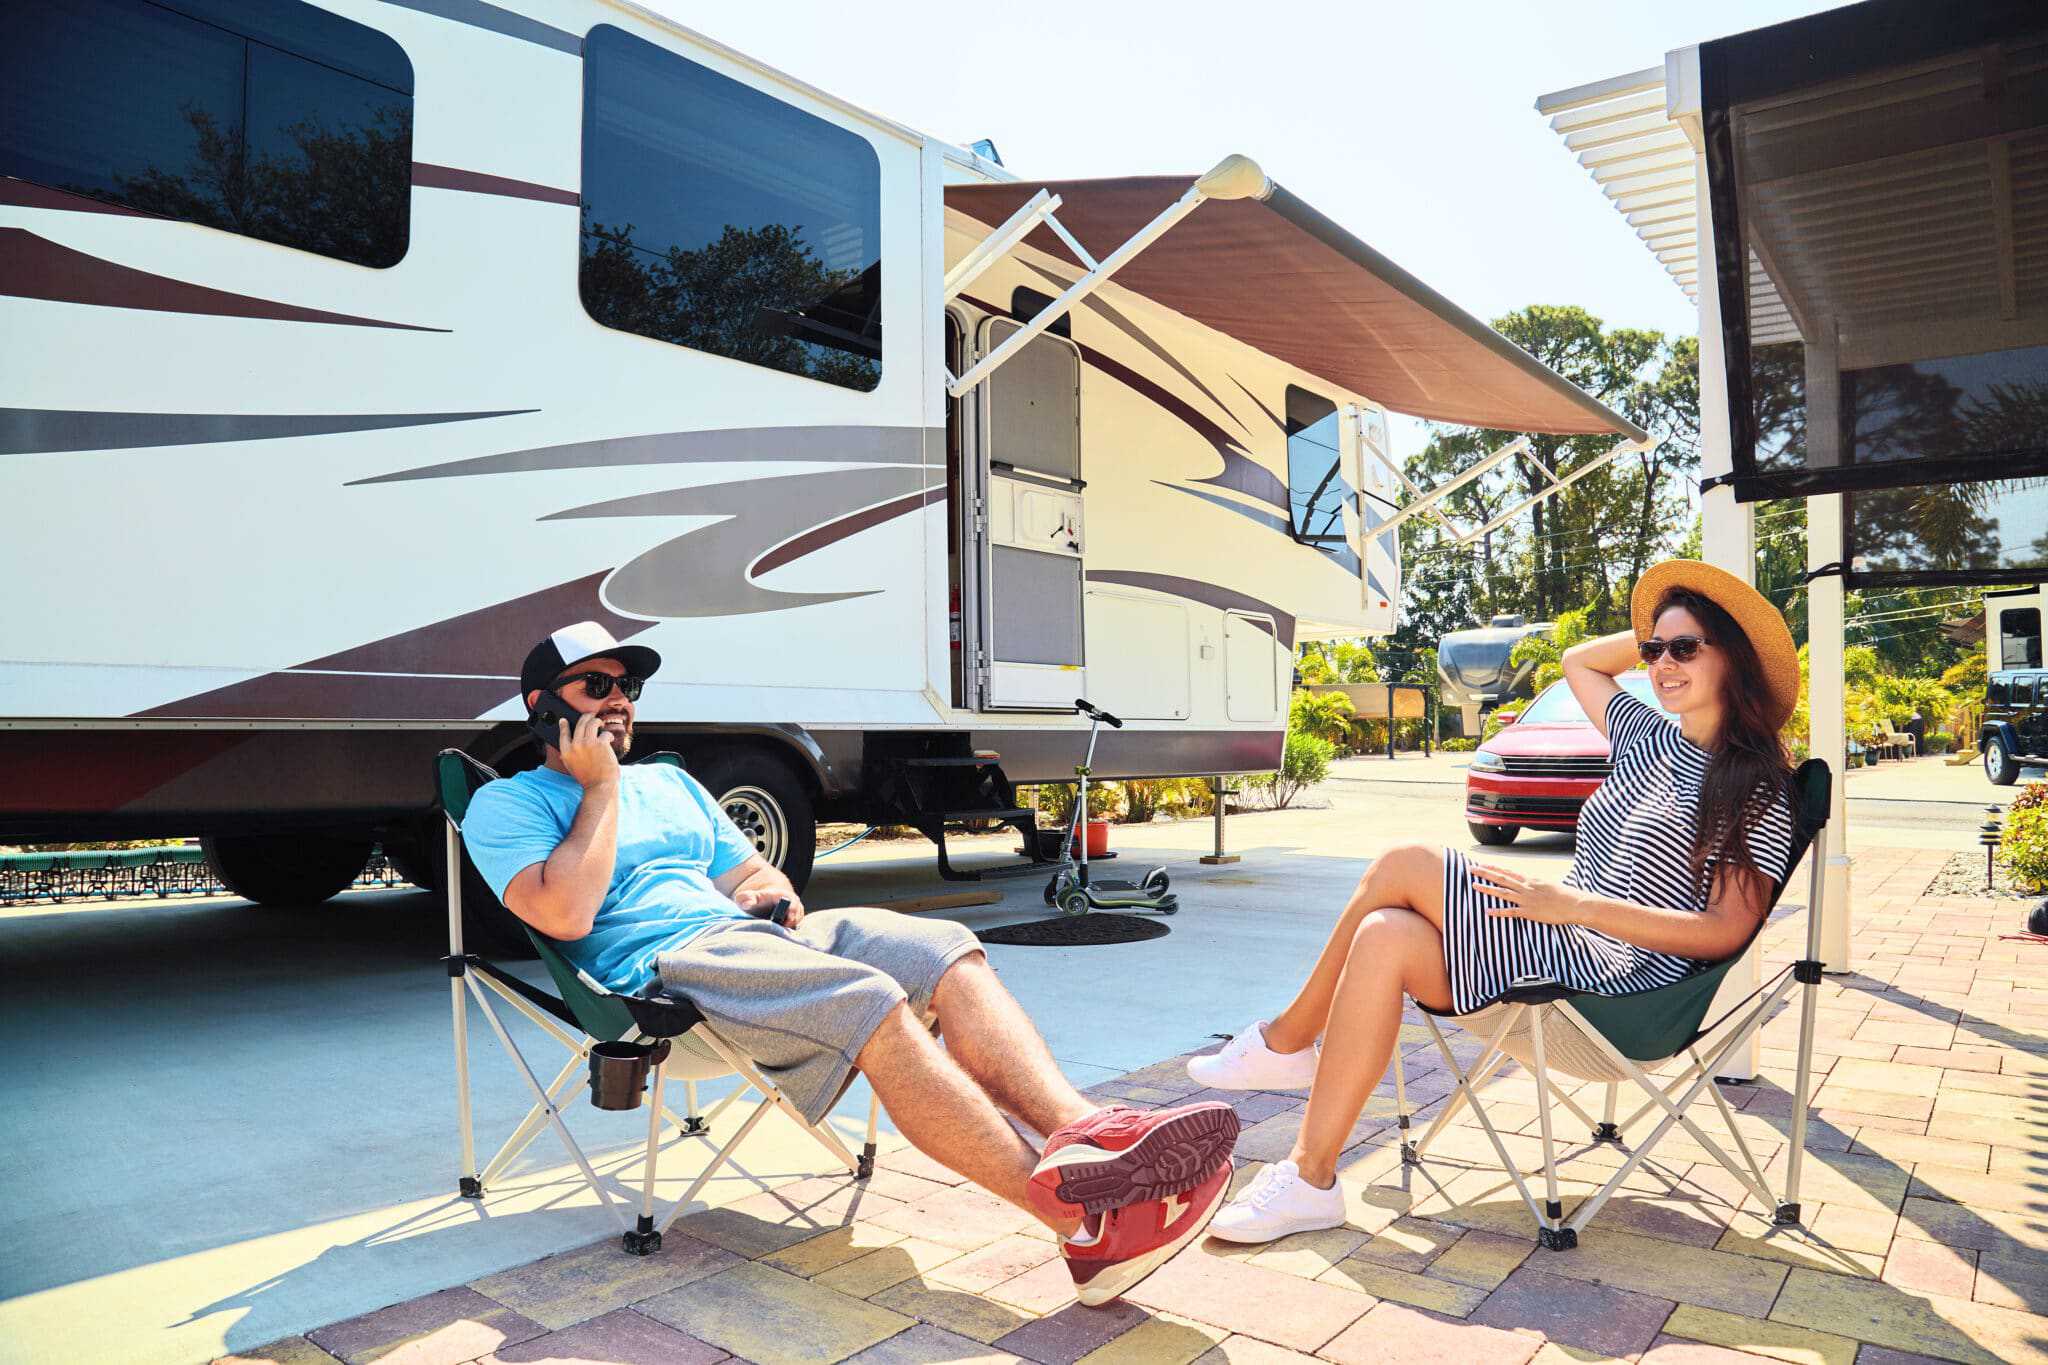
x=622, y=743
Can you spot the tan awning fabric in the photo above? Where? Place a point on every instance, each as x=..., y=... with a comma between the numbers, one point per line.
x=1280, y=277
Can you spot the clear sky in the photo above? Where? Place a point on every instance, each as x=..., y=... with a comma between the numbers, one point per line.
x=1412, y=124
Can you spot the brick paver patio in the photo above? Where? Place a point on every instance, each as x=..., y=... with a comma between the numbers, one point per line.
x=1927, y=1196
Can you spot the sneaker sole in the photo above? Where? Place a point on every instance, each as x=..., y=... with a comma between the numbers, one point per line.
x=1292, y=1227
x=1171, y=1159
x=1118, y=1280
x=1226, y=1083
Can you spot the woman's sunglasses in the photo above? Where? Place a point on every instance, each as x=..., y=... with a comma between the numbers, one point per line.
x=1684, y=648
x=598, y=686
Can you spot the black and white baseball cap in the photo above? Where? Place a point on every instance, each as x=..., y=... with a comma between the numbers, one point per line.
x=579, y=644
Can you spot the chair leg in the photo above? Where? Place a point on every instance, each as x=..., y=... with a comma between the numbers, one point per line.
x=1466, y=1086
x=1607, y=1131
x=694, y=1126
x=540, y=1095
x=642, y=1239
x=1553, y=1235
x=866, y=1167
x=1409, y=1156
x=468, y=1181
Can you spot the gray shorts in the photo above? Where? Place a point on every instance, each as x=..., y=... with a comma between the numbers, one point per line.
x=802, y=1003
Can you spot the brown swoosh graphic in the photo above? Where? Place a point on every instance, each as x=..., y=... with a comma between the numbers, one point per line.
x=853, y=524
x=432, y=177
x=33, y=267
x=490, y=640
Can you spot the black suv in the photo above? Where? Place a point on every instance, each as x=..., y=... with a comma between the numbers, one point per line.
x=2015, y=728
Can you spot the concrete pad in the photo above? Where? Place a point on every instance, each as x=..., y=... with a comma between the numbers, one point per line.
x=772, y=1318
x=564, y=1289
x=1950, y=1329
x=1773, y=1340
x=1160, y=1340
x=447, y=1328
x=1573, y=1313
x=1395, y=1334
x=1244, y=1298
x=618, y=1338
x=1402, y=1286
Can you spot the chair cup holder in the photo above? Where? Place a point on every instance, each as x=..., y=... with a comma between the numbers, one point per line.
x=618, y=1072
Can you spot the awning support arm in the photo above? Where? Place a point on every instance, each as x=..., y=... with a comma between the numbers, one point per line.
x=1427, y=502
x=1558, y=485
x=1235, y=177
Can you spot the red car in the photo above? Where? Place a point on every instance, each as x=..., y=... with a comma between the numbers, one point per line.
x=1540, y=769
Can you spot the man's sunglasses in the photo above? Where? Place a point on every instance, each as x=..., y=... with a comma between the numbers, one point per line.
x=598, y=686
x=1684, y=648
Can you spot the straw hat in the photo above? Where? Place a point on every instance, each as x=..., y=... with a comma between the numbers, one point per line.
x=1763, y=623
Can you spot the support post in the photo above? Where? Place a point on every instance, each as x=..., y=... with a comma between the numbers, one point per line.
x=1827, y=699
x=1727, y=527
x=1221, y=794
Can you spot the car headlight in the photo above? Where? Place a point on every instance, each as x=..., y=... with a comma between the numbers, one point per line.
x=1484, y=761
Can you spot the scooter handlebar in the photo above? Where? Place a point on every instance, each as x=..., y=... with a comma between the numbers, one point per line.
x=1081, y=705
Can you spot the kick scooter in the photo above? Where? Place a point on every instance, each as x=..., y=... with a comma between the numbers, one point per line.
x=1070, y=888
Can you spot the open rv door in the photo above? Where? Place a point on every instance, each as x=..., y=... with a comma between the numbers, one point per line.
x=1031, y=536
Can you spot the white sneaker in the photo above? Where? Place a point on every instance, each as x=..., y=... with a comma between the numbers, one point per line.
x=1246, y=1063
x=1276, y=1204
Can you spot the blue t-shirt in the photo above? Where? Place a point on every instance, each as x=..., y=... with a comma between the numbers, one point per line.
x=673, y=839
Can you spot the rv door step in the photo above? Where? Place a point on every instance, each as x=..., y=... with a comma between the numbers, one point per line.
x=938, y=791
x=962, y=762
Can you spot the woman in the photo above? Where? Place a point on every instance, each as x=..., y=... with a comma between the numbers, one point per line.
x=1679, y=853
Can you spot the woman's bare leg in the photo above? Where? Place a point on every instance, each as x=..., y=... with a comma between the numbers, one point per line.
x=1410, y=877
x=1394, y=953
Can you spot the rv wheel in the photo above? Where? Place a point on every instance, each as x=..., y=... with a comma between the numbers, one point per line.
x=286, y=869
x=770, y=806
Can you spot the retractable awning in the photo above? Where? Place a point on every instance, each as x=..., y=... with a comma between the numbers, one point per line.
x=1277, y=275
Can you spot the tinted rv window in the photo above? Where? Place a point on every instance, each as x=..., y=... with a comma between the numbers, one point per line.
x=719, y=218
x=2019, y=638
x=267, y=118
x=1316, y=491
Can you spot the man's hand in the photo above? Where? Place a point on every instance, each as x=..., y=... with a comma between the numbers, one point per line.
x=761, y=902
x=587, y=753
x=1528, y=897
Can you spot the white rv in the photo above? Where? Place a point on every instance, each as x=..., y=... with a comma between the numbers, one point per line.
x=348, y=348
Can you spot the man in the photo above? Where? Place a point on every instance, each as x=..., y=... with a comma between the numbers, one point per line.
x=646, y=884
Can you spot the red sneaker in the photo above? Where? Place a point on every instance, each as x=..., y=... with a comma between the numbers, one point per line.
x=1119, y=1155
x=1137, y=1239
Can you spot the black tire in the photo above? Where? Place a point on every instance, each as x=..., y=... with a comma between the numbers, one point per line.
x=279, y=870
x=1999, y=765
x=1052, y=890
x=1156, y=882
x=1074, y=902
x=1493, y=836
x=769, y=803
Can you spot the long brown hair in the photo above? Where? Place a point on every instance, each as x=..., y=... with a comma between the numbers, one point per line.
x=1749, y=769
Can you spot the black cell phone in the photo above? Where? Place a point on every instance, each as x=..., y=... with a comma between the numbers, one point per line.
x=544, y=719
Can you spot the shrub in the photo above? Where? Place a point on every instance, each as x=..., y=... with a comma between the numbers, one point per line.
x=2025, y=849
x=1325, y=715
x=1940, y=742
x=1305, y=763
x=1055, y=801
x=1458, y=745
x=2030, y=796
x=1174, y=796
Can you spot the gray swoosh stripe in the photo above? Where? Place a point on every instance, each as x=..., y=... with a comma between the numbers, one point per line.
x=740, y=445
x=477, y=14
x=707, y=571
x=43, y=431
x=1279, y=524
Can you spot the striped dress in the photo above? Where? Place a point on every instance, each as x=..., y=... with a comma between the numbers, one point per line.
x=1634, y=844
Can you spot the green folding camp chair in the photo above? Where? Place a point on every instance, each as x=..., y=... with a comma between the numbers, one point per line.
x=1548, y=1027
x=584, y=1015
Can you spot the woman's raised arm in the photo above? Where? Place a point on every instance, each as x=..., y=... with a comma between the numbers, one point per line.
x=1591, y=668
